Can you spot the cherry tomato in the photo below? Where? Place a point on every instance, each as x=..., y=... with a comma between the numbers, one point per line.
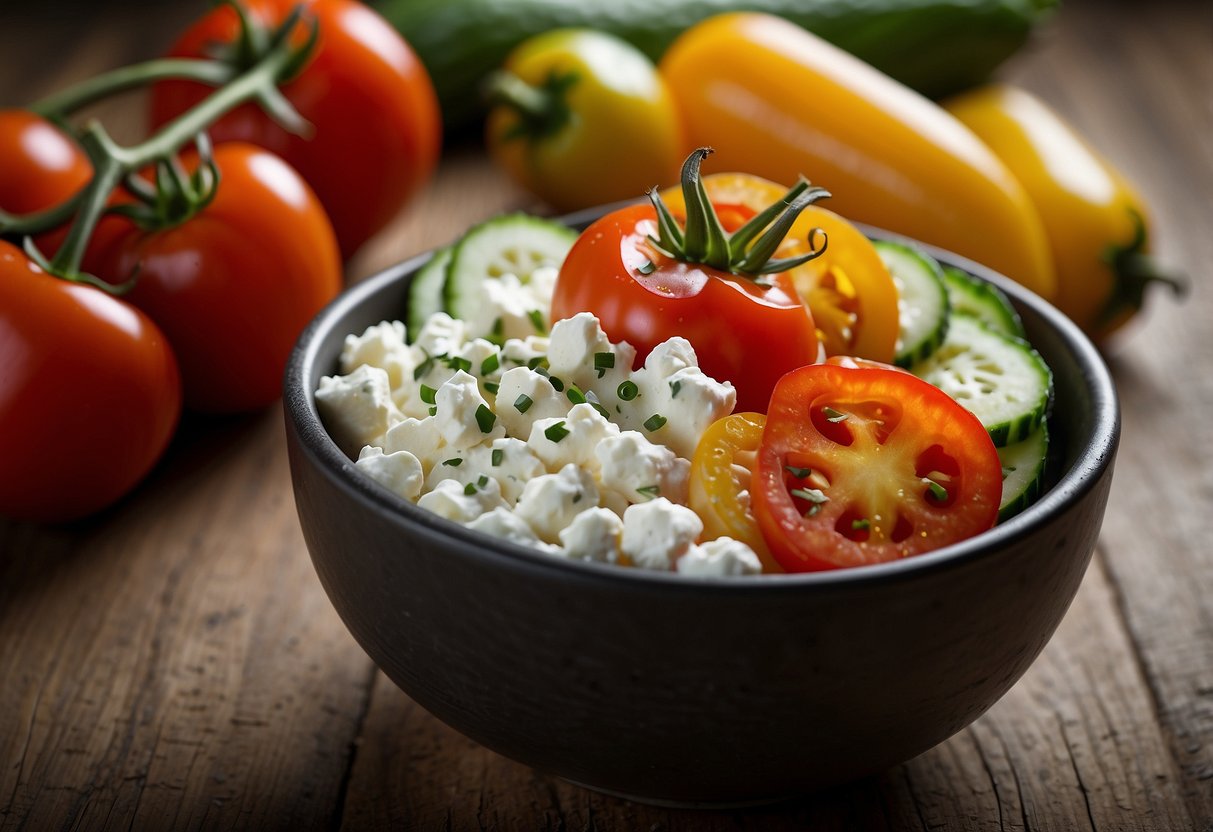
x=233, y=286
x=377, y=127
x=609, y=129
x=848, y=288
x=743, y=331
x=721, y=470
x=89, y=394
x=39, y=166
x=860, y=466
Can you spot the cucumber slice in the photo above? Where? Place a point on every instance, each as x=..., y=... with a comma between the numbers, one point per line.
x=983, y=301
x=1023, y=472
x=512, y=244
x=922, y=301
x=425, y=292
x=1000, y=379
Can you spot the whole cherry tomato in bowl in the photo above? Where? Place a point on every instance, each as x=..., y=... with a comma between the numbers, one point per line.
x=89, y=394
x=647, y=280
x=376, y=127
x=235, y=284
x=848, y=288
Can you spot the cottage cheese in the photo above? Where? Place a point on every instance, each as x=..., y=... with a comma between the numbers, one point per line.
x=553, y=442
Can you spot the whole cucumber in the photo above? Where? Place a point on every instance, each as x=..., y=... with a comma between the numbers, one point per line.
x=938, y=47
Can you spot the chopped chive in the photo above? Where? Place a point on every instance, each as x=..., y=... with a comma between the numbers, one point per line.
x=490, y=364
x=604, y=361
x=833, y=415
x=454, y=462
x=434, y=410
x=557, y=384
x=537, y=362
x=423, y=369
x=798, y=473
x=497, y=456
x=575, y=395
x=496, y=335
x=606, y=414
x=428, y=393
x=649, y=491
x=577, y=498
x=543, y=371
x=675, y=386
x=654, y=422
x=492, y=387
x=482, y=481
x=813, y=496
x=627, y=390
x=938, y=492
x=523, y=403
x=556, y=432
x=485, y=418
x=537, y=321
x=647, y=267
x=469, y=489
x=860, y=525
x=458, y=363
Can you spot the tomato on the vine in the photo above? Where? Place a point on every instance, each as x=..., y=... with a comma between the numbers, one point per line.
x=40, y=167
x=860, y=466
x=377, y=131
x=234, y=285
x=647, y=280
x=848, y=288
x=89, y=394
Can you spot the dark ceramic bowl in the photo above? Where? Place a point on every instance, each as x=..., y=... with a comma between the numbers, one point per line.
x=671, y=689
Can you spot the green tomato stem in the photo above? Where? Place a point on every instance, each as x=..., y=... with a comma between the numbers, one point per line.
x=705, y=241
x=542, y=110
x=65, y=102
x=113, y=163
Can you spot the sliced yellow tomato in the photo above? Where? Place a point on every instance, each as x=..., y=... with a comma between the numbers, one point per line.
x=721, y=470
x=848, y=289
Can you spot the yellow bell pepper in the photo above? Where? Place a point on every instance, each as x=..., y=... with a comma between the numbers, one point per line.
x=1095, y=221
x=582, y=118
x=779, y=102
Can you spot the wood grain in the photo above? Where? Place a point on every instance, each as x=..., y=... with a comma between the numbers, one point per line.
x=175, y=664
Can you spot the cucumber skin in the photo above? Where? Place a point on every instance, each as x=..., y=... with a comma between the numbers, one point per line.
x=937, y=47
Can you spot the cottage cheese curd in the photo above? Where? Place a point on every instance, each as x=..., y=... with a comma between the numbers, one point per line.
x=552, y=441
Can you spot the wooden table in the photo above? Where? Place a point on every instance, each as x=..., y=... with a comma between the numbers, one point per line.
x=175, y=663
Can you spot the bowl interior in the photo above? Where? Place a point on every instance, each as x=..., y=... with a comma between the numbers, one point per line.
x=1084, y=418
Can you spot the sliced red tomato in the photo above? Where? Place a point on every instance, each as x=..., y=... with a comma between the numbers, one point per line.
x=862, y=466
x=721, y=470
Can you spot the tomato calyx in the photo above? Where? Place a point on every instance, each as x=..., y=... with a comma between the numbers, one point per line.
x=747, y=252
x=543, y=110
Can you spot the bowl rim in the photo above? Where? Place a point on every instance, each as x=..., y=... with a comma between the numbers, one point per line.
x=1091, y=458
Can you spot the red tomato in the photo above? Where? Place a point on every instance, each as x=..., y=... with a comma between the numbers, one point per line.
x=375, y=113
x=40, y=168
x=742, y=331
x=234, y=285
x=860, y=466
x=89, y=394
